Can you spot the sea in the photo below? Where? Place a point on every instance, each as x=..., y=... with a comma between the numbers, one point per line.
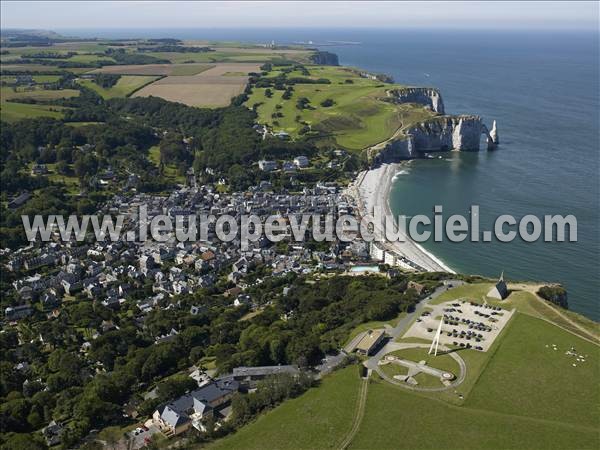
x=543, y=89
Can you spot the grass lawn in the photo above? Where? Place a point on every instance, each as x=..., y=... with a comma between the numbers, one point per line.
x=527, y=378
x=318, y=419
x=398, y=419
x=125, y=86
x=8, y=93
x=11, y=112
x=473, y=292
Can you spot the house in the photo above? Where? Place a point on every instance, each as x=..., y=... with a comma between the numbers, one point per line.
x=369, y=342
x=39, y=169
x=416, y=286
x=166, y=337
x=267, y=166
x=301, y=162
x=282, y=135
x=288, y=167
x=190, y=409
x=17, y=312
x=49, y=301
x=500, y=290
x=19, y=200
x=52, y=433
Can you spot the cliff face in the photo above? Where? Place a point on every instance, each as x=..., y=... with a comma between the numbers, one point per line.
x=448, y=133
x=442, y=133
x=429, y=97
x=324, y=58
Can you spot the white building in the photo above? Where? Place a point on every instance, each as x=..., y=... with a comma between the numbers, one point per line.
x=301, y=161
x=267, y=166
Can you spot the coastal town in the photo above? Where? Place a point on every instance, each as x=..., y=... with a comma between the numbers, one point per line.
x=213, y=334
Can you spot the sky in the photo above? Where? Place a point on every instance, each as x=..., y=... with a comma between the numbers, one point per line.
x=248, y=14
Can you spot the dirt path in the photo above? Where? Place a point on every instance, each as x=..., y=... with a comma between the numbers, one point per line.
x=358, y=416
x=588, y=335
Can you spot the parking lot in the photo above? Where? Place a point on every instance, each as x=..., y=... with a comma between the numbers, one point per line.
x=466, y=324
x=139, y=439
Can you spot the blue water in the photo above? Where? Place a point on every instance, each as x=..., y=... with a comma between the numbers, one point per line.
x=541, y=87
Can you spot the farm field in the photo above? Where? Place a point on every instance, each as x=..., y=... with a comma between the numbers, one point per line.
x=234, y=54
x=320, y=418
x=210, y=88
x=41, y=68
x=123, y=87
x=37, y=94
x=155, y=69
x=357, y=119
x=36, y=78
x=11, y=111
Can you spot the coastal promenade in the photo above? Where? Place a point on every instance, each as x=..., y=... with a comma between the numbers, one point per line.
x=371, y=191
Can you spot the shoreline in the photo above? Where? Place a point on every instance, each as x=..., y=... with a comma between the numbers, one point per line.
x=371, y=189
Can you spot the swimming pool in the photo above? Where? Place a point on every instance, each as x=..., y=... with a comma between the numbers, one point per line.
x=373, y=269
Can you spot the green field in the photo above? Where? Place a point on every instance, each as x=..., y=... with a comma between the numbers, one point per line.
x=358, y=119
x=123, y=87
x=525, y=377
x=11, y=111
x=7, y=93
x=398, y=419
x=320, y=418
x=233, y=55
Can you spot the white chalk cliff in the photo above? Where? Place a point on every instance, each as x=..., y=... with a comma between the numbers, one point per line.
x=429, y=97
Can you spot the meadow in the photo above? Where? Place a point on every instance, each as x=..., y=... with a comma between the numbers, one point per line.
x=123, y=87
x=526, y=376
x=154, y=69
x=11, y=110
x=399, y=419
x=320, y=418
